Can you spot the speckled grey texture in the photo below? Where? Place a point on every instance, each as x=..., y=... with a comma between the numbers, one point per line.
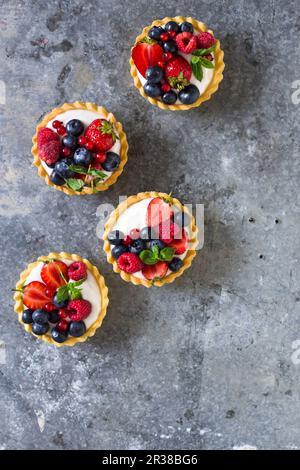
x=205, y=363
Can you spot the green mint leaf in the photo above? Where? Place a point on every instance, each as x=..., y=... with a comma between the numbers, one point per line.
x=147, y=257
x=200, y=52
x=75, y=184
x=77, y=283
x=155, y=251
x=98, y=173
x=195, y=59
x=75, y=294
x=78, y=169
x=197, y=70
x=206, y=63
x=167, y=253
x=63, y=293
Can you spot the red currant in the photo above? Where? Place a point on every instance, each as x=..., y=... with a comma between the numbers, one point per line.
x=161, y=64
x=209, y=57
x=49, y=307
x=167, y=56
x=62, y=313
x=165, y=87
x=172, y=34
x=127, y=240
x=134, y=233
x=82, y=140
x=62, y=325
x=100, y=157
x=56, y=124
x=61, y=130
x=89, y=146
x=49, y=292
x=66, y=152
x=164, y=37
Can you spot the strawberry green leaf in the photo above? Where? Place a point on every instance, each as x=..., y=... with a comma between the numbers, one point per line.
x=197, y=70
x=108, y=128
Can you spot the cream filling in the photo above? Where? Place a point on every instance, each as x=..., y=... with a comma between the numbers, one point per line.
x=89, y=289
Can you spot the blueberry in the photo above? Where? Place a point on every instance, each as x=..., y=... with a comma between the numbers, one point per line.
x=186, y=27
x=116, y=237
x=155, y=32
x=70, y=141
x=169, y=98
x=159, y=243
x=40, y=316
x=137, y=246
x=53, y=316
x=189, y=94
x=27, y=316
x=75, y=127
x=58, y=304
x=170, y=46
x=154, y=74
x=77, y=328
x=118, y=250
x=58, y=336
x=145, y=233
x=175, y=264
x=56, y=178
x=152, y=90
x=40, y=329
x=112, y=161
x=172, y=26
x=62, y=167
x=82, y=157
x=182, y=219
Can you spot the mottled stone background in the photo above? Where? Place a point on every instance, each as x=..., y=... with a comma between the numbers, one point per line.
x=211, y=361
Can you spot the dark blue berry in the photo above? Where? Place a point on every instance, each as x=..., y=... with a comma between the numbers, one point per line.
x=112, y=161
x=82, y=157
x=155, y=32
x=27, y=316
x=56, y=178
x=40, y=316
x=154, y=74
x=70, y=141
x=60, y=304
x=189, y=94
x=118, y=250
x=186, y=27
x=170, y=97
x=170, y=46
x=145, y=233
x=159, y=243
x=115, y=237
x=182, y=219
x=77, y=328
x=58, y=336
x=152, y=90
x=40, y=329
x=172, y=26
x=53, y=316
x=137, y=246
x=62, y=167
x=175, y=264
x=75, y=127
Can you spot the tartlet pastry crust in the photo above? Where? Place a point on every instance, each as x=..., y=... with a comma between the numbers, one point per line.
x=187, y=261
x=90, y=107
x=71, y=341
x=218, y=70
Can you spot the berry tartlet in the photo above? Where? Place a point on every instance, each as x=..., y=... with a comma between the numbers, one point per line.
x=80, y=148
x=150, y=239
x=177, y=63
x=61, y=298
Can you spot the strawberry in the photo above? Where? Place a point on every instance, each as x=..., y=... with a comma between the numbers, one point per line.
x=205, y=40
x=130, y=263
x=145, y=55
x=55, y=274
x=157, y=212
x=46, y=135
x=168, y=231
x=178, y=72
x=155, y=271
x=180, y=244
x=102, y=134
x=186, y=42
x=34, y=295
x=79, y=309
x=50, y=152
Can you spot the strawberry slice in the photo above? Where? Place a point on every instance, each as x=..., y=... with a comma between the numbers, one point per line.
x=180, y=244
x=155, y=271
x=146, y=55
x=34, y=295
x=157, y=212
x=55, y=274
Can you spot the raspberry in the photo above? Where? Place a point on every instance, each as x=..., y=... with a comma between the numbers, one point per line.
x=130, y=263
x=50, y=152
x=168, y=231
x=46, y=135
x=186, y=42
x=205, y=40
x=82, y=308
x=77, y=271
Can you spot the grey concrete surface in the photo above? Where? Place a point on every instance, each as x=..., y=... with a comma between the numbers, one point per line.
x=211, y=361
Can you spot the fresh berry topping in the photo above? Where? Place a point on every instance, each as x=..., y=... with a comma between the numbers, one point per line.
x=56, y=178
x=96, y=165
x=40, y=329
x=112, y=161
x=89, y=146
x=170, y=46
x=66, y=151
x=155, y=32
x=75, y=127
x=70, y=141
x=56, y=124
x=59, y=303
x=62, y=168
x=118, y=250
x=82, y=140
x=77, y=271
x=61, y=130
x=134, y=233
x=102, y=134
x=127, y=240
x=167, y=56
x=205, y=40
x=180, y=244
x=175, y=264
x=186, y=27
x=154, y=74
x=178, y=72
x=49, y=307
x=157, y=212
x=34, y=295
x=161, y=64
x=186, y=42
x=27, y=316
x=50, y=152
x=164, y=37
x=172, y=34
x=152, y=90
x=209, y=57
x=40, y=316
x=159, y=243
x=168, y=231
x=77, y=328
x=172, y=26
x=100, y=157
x=130, y=263
x=53, y=316
x=145, y=234
x=50, y=292
x=155, y=271
x=82, y=156
x=189, y=94
x=82, y=308
x=62, y=325
x=182, y=219
x=55, y=274
x=46, y=135
x=137, y=246
x=146, y=55
x=165, y=87
x=170, y=97
x=115, y=237
x=58, y=336
x=63, y=313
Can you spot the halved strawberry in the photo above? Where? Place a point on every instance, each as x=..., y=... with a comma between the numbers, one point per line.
x=155, y=271
x=146, y=55
x=34, y=295
x=180, y=244
x=55, y=274
x=167, y=231
x=157, y=212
